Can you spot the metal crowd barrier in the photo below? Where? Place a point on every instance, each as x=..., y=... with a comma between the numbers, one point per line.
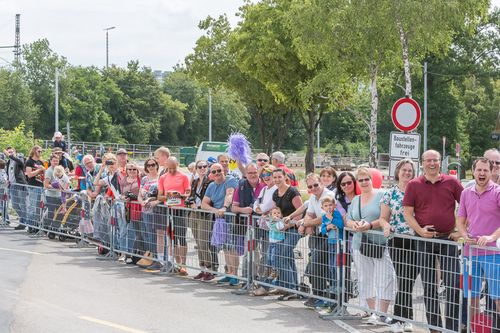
x=433, y=283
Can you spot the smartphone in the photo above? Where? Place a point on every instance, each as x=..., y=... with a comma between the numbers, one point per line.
x=431, y=229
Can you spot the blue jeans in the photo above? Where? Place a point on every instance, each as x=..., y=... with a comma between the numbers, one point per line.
x=287, y=270
x=332, y=264
x=17, y=195
x=272, y=255
x=34, y=197
x=121, y=237
x=4, y=203
x=149, y=231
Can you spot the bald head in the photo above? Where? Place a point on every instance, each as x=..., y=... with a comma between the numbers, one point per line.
x=172, y=164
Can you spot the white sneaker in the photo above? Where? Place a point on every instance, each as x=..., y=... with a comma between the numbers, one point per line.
x=408, y=327
x=122, y=258
x=373, y=320
x=397, y=328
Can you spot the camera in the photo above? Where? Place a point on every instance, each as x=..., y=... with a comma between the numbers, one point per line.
x=153, y=192
x=188, y=202
x=110, y=162
x=131, y=196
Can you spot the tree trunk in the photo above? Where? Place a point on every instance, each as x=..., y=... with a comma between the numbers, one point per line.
x=373, y=116
x=406, y=58
x=310, y=125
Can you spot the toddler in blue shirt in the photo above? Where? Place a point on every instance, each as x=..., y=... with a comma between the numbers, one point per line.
x=332, y=224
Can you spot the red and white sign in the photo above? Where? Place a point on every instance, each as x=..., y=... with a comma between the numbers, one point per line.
x=406, y=114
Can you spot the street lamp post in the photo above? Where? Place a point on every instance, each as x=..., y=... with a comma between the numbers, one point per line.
x=107, y=45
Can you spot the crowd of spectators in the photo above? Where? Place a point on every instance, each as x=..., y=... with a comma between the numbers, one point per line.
x=386, y=266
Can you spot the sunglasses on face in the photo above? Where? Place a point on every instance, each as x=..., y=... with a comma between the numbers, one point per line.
x=131, y=169
x=262, y=160
x=150, y=165
x=347, y=183
x=202, y=166
x=264, y=175
x=313, y=185
x=362, y=180
x=216, y=171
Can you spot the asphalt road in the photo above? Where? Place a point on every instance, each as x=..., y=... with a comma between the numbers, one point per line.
x=46, y=286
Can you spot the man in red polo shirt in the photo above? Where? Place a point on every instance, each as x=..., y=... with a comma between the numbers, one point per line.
x=429, y=209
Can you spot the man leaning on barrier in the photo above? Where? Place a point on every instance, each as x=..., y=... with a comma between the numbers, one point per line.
x=429, y=209
x=480, y=207
x=218, y=199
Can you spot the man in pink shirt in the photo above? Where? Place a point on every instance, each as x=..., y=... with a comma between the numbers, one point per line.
x=173, y=189
x=480, y=207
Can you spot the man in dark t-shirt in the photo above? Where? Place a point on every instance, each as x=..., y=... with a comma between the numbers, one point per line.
x=34, y=174
x=429, y=209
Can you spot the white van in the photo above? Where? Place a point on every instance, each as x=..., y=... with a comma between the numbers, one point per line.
x=210, y=149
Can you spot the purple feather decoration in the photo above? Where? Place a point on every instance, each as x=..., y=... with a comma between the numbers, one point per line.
x=239, y=148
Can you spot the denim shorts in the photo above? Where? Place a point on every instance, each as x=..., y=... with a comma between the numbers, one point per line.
x=483, y=268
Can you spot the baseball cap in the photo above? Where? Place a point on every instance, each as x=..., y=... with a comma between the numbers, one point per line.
x=121, y=151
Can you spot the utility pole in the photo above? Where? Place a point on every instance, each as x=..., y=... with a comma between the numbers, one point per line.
x=209, y=114
x=425, y=106
x=17, y=42
x=107, y=45
x=57, y=100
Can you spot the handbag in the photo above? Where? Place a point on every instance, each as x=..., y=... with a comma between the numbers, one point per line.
x=368, y=247
x=219, y=232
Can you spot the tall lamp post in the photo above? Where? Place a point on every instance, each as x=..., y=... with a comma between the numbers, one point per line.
x=107, y=45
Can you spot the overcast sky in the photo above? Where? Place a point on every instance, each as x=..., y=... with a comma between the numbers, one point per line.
x=158, y=33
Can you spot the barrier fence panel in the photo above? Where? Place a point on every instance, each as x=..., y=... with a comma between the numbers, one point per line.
x=482, y=287
x=295, y=266
x=407, y=279
x=434, y=283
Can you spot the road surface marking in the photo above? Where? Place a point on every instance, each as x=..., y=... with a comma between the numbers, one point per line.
x=21, y=251
x=110, y=324
x=348, y=328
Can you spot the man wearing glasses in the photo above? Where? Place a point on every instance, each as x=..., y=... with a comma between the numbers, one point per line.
x=219, y=196
x=319, y=243
x=429, y=209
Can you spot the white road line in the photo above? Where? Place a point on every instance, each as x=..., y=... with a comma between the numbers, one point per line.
x=348, y=328
x=20, y=251
x=110, y=324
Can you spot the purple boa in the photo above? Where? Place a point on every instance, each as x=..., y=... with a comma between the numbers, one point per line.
x=239, y=148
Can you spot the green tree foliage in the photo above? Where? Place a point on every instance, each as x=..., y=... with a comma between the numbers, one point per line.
x=19, y=137
x=16, y=104
x=142, y=111
x=229, y=113
x=38, y=68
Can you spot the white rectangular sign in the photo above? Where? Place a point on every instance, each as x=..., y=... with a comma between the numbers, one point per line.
x=403, y=145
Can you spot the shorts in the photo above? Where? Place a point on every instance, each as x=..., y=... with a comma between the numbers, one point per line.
x=483, y=268
x=179, y=218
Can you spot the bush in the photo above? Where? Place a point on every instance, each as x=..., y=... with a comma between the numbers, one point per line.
x=19, y=138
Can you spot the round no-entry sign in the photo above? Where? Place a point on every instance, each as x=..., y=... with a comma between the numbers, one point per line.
x=406, y=114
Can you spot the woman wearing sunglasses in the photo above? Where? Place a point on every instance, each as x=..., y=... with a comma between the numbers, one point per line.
x=148, y=198
x=376, y=276
x=262, y=206
x=199, y=221
x=130, y=186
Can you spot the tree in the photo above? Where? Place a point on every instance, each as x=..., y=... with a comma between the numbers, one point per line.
x=16, y=103
x=38, y=69
x=84, y=102
x=141, y=109
x=229, y=114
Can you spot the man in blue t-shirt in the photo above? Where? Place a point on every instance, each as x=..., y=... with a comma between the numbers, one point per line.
x=218, y=199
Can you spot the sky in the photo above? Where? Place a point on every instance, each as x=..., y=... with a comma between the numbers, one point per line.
x=158, y=33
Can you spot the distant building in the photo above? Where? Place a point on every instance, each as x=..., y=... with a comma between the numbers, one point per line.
x=160, y=75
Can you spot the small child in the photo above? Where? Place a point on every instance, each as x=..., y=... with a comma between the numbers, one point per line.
x=276, y=235
x=3, y=192
x=61, y=182
x=332, y=225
